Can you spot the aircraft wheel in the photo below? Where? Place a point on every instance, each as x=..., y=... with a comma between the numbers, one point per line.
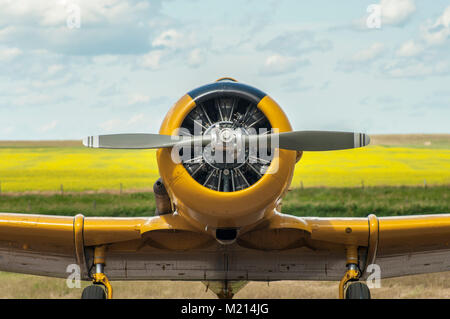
x=93, y=292
x=357, y=290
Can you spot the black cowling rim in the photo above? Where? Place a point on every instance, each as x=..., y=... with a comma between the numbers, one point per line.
x=225, y=88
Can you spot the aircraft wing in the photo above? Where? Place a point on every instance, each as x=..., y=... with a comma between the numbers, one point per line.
x=413, y=245
x=46, y=245
x=165, y=247
x=401, y=246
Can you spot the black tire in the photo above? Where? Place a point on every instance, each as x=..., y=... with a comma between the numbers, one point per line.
x=357, y=290
x=93, y=292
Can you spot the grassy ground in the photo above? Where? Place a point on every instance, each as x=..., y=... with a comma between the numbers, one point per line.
x=359, y=202
x=350, y=202
x=418, y=286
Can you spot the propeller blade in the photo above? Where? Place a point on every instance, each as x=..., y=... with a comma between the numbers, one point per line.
x=317, y=140
x=140, y=141
x=297, y=140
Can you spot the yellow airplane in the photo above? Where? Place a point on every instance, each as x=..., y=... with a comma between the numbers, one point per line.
x=226, y=156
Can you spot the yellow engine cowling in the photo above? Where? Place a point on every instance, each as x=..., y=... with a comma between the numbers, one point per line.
x=209, y=209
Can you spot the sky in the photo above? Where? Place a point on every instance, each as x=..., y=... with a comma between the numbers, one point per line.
x=72, y=68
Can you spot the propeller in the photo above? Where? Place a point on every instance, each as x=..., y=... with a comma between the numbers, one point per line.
x=317, y=140
x=296, y=140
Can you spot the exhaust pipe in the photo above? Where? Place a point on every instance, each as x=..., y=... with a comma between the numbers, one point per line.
x=162, y=199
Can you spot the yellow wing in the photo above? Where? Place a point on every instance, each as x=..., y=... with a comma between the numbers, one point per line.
x=47, y=245
x=165, y=247
x=399, y=245
x=413, y=245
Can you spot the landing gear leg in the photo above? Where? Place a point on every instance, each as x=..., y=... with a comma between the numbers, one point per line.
x=355, y=290
x=101, y=288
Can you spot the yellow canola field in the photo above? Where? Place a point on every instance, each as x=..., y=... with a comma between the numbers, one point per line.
x=374, y=166
x=82, y=169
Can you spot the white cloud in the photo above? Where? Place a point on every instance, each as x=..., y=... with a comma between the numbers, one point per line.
x=409, y=49
x=371, y=53
x=55, y=12
x=174, y=40
x=439, y=32
x=393, y=13
x=6, y=130
x=196, y=58
x=110, y=125
x=416, y=69
x=427, y=55
x=52, y=81
x=135, y=119
x=54, y=69
x=44, y=13
x=278, y=64
x=6, y=32
x=107, y=26
x=105, y=59
x=152, y=59
x=135, y=122
x=48, y=127
x=31, y=100
x=138, y=98
x=172, y=44
x=9, y=53
x=396, y=12
x=363, y=58
x=171, y=39
x=296, y=43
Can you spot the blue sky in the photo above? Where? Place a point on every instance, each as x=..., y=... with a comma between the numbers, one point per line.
x=129, y=61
